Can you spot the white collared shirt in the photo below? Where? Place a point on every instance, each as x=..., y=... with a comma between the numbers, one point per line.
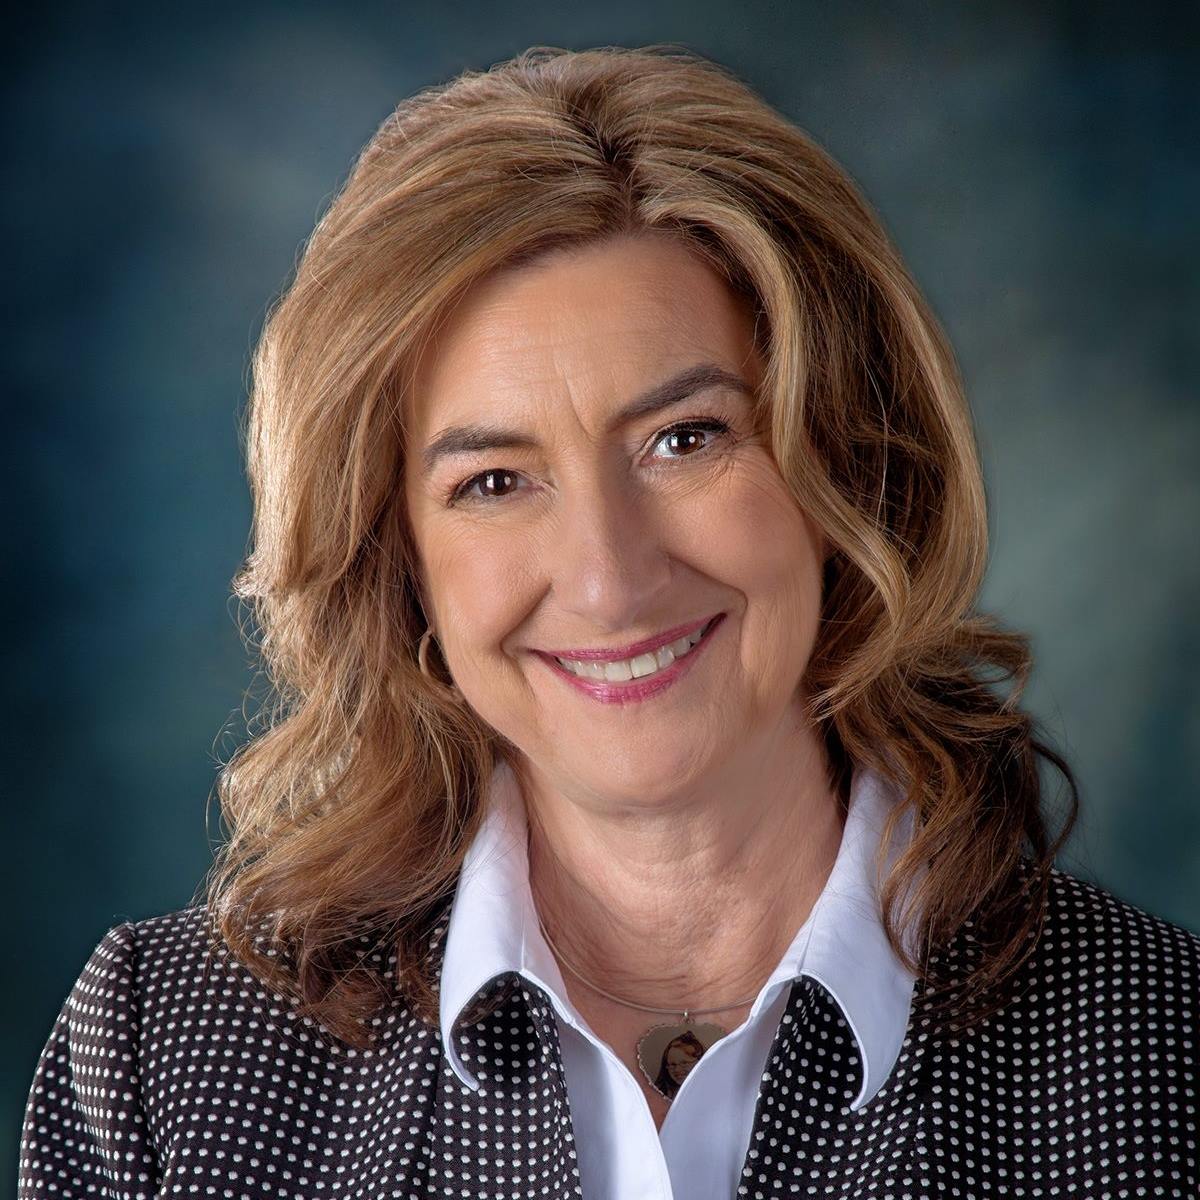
x=699, y=1152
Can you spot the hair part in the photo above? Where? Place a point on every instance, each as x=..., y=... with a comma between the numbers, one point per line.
x=351, y=808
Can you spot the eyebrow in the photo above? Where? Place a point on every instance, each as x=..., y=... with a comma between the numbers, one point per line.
x=471, y=439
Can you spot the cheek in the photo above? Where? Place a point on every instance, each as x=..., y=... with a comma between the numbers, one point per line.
x=758, y=541
x=763, y=548
x=482, y=589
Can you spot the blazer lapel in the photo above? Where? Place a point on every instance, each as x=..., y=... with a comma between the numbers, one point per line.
x=804, y=1133
x=512, y=1137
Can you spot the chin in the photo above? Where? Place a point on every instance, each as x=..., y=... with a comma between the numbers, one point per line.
x=642, y=780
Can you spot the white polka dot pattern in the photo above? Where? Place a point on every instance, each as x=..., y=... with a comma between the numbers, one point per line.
x=172, y=1072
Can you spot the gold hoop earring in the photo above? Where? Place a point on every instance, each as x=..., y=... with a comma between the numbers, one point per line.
x=423, y=663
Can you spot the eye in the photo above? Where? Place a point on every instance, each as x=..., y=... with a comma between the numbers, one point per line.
x=495, y=478
x=684, y=438
x=684, y=434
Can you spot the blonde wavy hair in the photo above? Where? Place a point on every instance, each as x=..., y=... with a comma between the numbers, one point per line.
x=349, y=811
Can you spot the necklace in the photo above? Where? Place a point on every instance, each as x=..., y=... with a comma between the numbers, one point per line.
x=665, y=1052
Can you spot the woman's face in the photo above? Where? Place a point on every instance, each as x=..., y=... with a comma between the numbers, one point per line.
x=577, y=525
x=680, y=1060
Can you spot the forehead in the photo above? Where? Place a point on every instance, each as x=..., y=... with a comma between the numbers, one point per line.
x=591, y=323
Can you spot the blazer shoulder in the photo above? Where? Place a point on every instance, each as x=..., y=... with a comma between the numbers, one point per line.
x=172, y=988
x=1090, y=913
x=180, y=963
x=86, y=1122
x=142, y=963
x=1096, y=942
x=131, y=959
x=159, y=1020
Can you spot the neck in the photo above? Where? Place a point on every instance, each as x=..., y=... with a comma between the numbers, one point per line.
x=690, y=903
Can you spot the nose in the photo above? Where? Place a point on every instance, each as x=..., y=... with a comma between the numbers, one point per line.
x=612, y=564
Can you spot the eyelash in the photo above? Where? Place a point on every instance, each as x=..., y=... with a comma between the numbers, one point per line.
x=708, y=425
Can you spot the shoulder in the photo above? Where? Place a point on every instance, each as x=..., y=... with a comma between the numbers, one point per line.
x=1089, y=937
x=1097, y=937
x=183, y=983
x=166, y=1033
x=167, y=964
x=1086, y=1068
x=87, y=1124
x=168, y=997
x=135, y=955
x=177, y=953
x=1103, y=974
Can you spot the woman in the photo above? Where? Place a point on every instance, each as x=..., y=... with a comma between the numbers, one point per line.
x=618, y=527
x=681, y=1055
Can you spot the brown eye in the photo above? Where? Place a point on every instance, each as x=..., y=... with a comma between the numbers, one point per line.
x=492, y=484
x=686, y=438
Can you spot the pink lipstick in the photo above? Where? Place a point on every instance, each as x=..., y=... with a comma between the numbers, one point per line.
x=628, y=691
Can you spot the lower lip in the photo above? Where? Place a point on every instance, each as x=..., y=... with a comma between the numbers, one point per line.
x=635, y=689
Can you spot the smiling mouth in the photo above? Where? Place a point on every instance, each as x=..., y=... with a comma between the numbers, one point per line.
x=639, y=666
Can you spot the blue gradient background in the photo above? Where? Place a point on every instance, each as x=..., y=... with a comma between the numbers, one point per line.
x=1036, y=164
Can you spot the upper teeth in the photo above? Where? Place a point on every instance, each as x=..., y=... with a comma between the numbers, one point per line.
x=632, y=668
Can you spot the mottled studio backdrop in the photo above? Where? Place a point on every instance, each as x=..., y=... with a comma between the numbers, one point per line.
x=1036, y=163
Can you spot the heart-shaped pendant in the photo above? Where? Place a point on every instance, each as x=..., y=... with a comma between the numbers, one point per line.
x=666, y=1053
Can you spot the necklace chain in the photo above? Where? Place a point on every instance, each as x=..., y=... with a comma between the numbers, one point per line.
x=687, y=1012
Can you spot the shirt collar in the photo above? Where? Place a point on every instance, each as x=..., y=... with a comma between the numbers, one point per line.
x=493, y=928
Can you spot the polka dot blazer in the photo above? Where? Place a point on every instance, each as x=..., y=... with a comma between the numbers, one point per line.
x=172, y=1072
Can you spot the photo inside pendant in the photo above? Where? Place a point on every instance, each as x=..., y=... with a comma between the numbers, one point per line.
x=667, y=1053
